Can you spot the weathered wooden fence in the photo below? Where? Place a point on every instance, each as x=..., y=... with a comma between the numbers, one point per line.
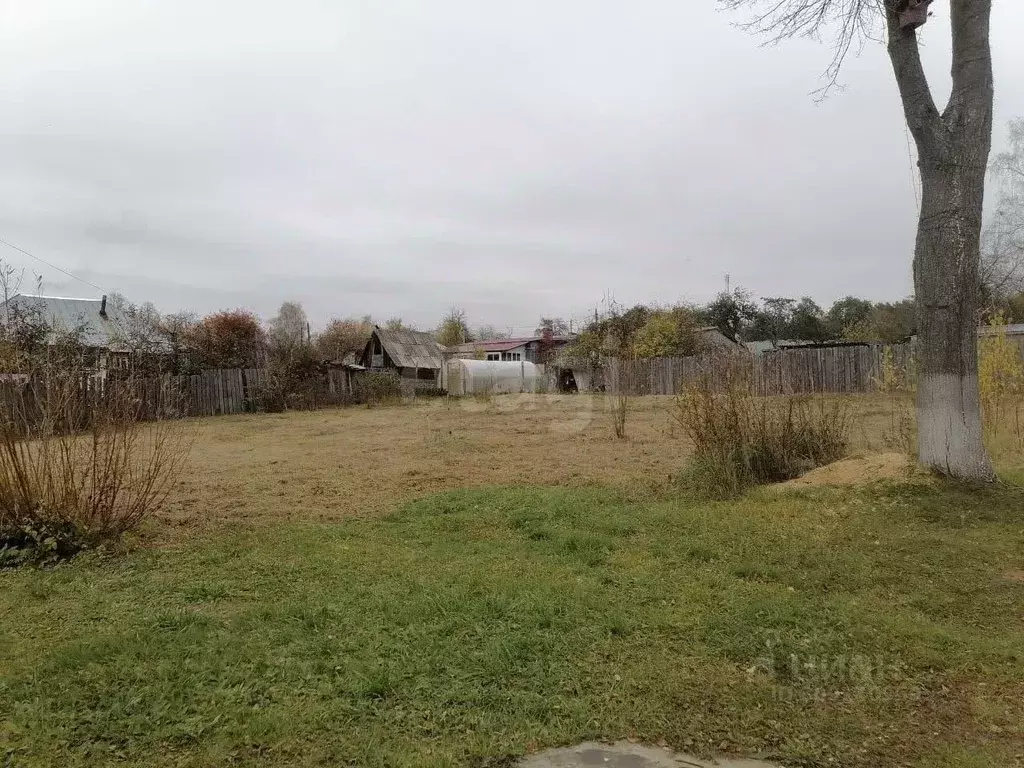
x=222, y=392
x=834, y=369
x=844, y=369
x=210, y=393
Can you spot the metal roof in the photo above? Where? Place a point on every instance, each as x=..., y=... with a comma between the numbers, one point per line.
x=497, y=345
x=759, y=347
x=503, y=345
x=411, y=349
x=710, y=335
x=80, y=316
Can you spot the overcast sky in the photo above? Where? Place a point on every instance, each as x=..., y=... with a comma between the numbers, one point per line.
x=396, y=157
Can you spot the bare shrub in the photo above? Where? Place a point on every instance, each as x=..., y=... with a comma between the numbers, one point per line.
x=741, y=440
x=620, y=408
x=79, y=465
x=292, y=383
x=377, y=388
x=620, y=383
x=271, y=396
x=294, y=379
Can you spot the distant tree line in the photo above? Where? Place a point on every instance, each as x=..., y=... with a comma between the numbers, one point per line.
x=779, y=318
x=238, y=338
x=646, y=331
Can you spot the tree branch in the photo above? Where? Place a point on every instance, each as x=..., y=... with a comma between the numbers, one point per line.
x=970, y=100
x=847, y=23
x=919, y=108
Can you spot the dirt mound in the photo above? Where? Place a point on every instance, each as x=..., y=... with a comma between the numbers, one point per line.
x=855, y=470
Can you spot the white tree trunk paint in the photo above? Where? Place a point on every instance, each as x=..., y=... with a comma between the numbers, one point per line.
x=949, y=430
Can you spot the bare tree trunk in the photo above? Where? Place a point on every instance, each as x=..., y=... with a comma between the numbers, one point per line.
x=953, y=149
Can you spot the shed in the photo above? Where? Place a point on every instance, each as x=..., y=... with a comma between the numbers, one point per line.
x=569, y=373
x=712, y=339
x=759, y=347
x=340, y=376
x=414, y=355
x=492, y=377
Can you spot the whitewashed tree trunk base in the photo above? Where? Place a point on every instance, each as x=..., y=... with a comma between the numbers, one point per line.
x=949, y=429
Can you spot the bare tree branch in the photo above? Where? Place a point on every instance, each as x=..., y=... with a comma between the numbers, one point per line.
x=847, y=24
x=971, y=97
x=919, y=108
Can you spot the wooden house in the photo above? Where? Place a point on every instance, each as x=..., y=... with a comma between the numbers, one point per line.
x=101, y=328
x=416, y=356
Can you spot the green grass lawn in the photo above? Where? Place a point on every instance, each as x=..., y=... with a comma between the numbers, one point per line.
x=852, y=628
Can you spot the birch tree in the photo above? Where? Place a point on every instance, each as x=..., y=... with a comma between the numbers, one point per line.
x=289, y=329
x=454, y=329
x=1002, y=240
x=953, y=148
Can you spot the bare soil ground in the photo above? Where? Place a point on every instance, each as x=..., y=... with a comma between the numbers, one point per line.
x=855, y=470
x=332, y=464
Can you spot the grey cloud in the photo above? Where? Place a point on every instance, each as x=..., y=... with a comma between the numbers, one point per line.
x=396, y=158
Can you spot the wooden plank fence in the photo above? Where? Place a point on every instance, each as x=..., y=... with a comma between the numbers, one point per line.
x=846, y=369
x=224, y=392
x=210, y=393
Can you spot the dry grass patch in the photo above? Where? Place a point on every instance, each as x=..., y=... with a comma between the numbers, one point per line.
x=335, y=464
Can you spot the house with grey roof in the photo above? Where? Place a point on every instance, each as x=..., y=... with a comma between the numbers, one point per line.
x=98, y=325
x=711, y=339
x=416, y=356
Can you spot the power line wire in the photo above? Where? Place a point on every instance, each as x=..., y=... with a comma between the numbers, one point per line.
x=51, y=266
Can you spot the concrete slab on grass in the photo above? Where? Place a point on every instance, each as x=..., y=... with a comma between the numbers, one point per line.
x=626, y=755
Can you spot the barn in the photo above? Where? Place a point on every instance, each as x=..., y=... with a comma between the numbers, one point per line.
x=414, y=355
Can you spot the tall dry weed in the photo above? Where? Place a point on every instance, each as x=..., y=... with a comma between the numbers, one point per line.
x=620, y=383
x=897, y=383
x=1001, y=382
x=741, y=439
